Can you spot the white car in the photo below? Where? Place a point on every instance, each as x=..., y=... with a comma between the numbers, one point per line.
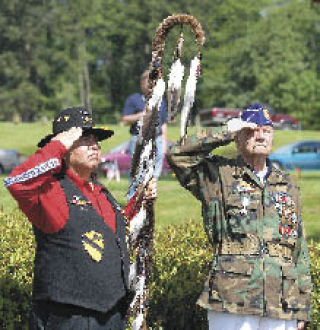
x=9, y=159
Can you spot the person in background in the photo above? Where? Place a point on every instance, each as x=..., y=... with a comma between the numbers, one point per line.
x=81, y=262
x=133, y=111
x=260, y=275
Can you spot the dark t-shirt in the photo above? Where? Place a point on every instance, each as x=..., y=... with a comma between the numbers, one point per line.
x=135, y=103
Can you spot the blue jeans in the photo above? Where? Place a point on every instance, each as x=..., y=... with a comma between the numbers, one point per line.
x=158, y=161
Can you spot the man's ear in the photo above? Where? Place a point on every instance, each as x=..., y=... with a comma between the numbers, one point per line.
x=236, y=138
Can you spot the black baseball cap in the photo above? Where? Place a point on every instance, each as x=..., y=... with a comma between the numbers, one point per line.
x=75, y=117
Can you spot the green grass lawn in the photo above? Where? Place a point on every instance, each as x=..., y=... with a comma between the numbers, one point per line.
x=174, y=205
x=25, y=136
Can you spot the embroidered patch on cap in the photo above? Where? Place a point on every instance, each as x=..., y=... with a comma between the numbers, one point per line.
x=266, y=113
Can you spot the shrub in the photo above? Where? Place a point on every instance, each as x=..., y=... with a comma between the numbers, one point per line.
x=16, y=266
x=181, y=262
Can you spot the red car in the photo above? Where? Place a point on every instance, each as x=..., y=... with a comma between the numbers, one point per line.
x=120, y=155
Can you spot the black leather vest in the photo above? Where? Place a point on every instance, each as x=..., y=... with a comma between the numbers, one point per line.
x=85, y=263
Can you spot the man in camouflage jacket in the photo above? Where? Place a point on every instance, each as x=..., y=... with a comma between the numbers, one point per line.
x=252, y=216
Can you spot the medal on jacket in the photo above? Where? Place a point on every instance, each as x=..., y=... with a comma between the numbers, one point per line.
x=76, y=200
x=285, y=206
x=245, y=187
x=245, y=200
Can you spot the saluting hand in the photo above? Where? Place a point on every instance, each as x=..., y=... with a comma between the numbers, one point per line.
x=236, y=125
x=68, y=137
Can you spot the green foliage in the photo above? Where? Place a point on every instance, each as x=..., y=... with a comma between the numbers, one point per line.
x=181, y=263
x=16, y=266
x=314, y=250
x=61, y=53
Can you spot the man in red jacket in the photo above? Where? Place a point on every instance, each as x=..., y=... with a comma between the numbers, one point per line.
x=81, y=262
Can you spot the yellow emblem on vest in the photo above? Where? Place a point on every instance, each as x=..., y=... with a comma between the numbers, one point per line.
x=93, y=243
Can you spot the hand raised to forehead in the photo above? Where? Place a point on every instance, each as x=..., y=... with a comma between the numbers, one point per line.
x=235, y=125
x=68, y=137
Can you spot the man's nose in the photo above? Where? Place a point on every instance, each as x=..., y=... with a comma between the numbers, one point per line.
x=259, y=133
x=94, y=144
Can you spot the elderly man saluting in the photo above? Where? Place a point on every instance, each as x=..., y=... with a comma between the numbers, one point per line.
x=260, y=275
x=81, y=263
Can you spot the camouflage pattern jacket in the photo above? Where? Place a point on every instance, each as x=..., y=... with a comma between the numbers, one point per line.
x=261, y=263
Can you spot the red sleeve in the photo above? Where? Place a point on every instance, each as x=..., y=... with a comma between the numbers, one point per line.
x=37, y=192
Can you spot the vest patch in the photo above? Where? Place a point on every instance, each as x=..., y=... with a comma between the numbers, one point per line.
x=93, y=243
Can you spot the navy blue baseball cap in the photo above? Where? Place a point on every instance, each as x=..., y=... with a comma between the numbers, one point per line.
x=258, y=114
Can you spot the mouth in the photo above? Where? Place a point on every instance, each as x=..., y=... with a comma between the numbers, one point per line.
x=260, y=146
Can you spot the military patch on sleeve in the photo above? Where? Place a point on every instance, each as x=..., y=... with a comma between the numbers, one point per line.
x=93, y=243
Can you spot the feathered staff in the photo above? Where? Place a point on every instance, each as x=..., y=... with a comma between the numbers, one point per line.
x=141, y=227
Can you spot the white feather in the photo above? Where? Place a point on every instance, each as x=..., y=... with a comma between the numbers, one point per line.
x=146, y=167
x=132, y=275
x=155, y=100
x=139, y=289
x=157, y=94
x=176, y=75
x=189, y=93
x=137, y=323
x=137, y=223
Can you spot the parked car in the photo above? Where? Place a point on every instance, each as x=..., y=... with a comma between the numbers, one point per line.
x=217, y=116
x=121, y=155
x=304, y=155
x=8, y=160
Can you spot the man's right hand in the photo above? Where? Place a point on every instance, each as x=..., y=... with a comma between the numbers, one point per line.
x=235, y=125
x=131, y=119
x=68, y=137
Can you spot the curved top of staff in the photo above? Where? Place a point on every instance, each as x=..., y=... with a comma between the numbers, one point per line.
x=167, y=24
x=155, y=68
x=158, y=44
